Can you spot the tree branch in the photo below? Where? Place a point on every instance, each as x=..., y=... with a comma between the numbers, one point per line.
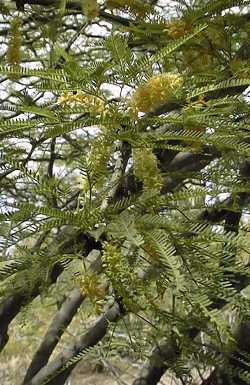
x=12, y=305
x=166, y=353
x=59, y=323
x=235, y=361
x=76, y=5
x=162, y=356
x=57, y=326
x=53, y=373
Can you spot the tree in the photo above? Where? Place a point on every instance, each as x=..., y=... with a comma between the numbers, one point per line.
x=125, y=133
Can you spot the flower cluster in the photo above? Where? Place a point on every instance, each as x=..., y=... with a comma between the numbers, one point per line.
x=93, y=104
x=97, y=161
x=120, y=274
x=155, y=92
x=177, y=29
x=90, y=285
x=146, y=169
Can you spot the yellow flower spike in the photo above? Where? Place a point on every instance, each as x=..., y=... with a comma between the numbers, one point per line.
x=146, y=169
x=90, y=285
x=155, y=92
x=178, y=28
x=92, y=103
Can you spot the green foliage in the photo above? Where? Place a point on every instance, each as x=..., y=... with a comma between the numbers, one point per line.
x=132, y=173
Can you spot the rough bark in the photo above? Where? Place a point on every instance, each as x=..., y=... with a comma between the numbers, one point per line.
x=12, y=305
x=55, y=331
x=52, y=373
x=57, y=327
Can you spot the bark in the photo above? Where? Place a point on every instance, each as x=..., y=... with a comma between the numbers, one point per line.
x=53, y=373
x=184, y=162
x=12, y=305
x=76, y=5
x=54, y=333
x=162, y=356
x=231, y=208
x=57, y=327
x=154, y=369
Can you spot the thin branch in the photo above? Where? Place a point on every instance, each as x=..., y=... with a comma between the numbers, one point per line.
x=52, y=158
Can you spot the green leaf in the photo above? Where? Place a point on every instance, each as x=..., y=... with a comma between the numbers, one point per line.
x=41, y=111
x=219, y=86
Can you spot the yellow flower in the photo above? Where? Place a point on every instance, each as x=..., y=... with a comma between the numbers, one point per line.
x=178, y=28
x=92, y=103
x=155, y=92
x=146, y=169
